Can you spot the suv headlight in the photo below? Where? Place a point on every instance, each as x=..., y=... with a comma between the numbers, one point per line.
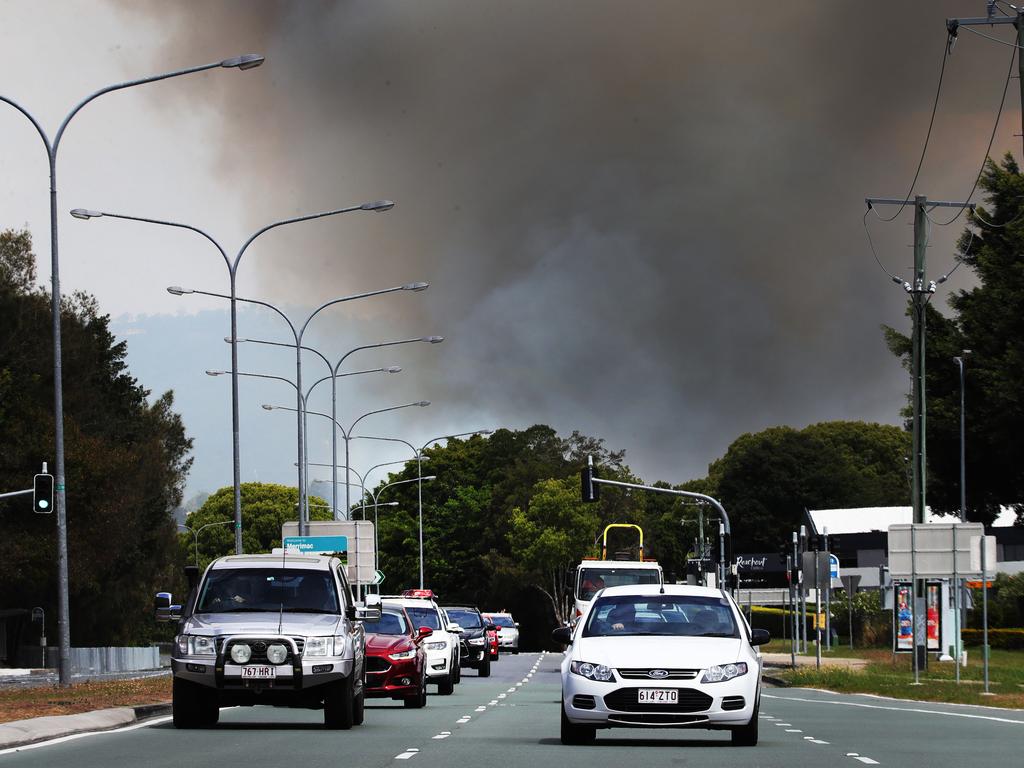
x=440, y=645
x=325, y=646
x=722, y=672
x=402, y=655
x=598, y=672
x=477, y=640
x=197, y=645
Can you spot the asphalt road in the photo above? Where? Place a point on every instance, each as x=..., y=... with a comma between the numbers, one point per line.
x=511, y=720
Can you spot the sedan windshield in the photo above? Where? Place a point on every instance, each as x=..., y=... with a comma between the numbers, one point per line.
x=675, y=615
x=502, y=621
x=233, y=590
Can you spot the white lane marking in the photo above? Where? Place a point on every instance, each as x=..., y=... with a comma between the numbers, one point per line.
x=492, y=702
x=519, y=685
x=793, y=730
x=899, y=709
x=783, y=725
x=818, y=741
x=511, y=690
x=502, y=695
x=405, y=756
x=441, y=736
x=526, y=679
x=867, y=760
x=463, y=720
x=72, y=737
x=480, y=709
x=808, y=738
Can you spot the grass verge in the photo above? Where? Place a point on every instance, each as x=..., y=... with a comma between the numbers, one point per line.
x=889, y=675
x=23, y=703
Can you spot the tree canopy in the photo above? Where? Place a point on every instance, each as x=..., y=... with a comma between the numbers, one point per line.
x=126, y=460
x=988, y=320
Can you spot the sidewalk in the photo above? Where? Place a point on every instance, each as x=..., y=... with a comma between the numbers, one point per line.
x=784, y=660
x=20, y=733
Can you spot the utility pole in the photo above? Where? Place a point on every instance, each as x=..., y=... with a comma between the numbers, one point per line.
x=920, y=291
x=953, y=25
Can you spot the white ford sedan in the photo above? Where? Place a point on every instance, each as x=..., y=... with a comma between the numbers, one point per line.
x=661, y=657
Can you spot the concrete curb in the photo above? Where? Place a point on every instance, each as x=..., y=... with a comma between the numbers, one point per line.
x=20, y=733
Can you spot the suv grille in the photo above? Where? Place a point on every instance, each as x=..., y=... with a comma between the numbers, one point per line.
x=259, y=649
x=643, y=673
x=625, y=700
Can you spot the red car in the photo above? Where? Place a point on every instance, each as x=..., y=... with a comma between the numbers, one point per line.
x=395, y=661
x=492, y=642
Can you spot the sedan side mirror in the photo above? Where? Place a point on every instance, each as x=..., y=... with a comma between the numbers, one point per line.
x=562, y=635
x=760, y=636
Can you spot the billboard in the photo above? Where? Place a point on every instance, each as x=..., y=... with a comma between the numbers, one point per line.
x=903, y=616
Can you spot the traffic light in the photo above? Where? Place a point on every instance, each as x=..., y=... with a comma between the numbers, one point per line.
x=42, y=494
x=590, y=491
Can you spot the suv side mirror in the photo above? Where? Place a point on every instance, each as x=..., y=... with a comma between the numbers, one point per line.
x=562, y=635
x=163, y=608
x=369, y=615
x=455, y=628
x=760, y=636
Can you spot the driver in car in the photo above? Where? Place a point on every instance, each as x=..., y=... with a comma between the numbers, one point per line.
x=621, y=618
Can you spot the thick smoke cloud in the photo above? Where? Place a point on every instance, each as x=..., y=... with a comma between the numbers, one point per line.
x=641, y=220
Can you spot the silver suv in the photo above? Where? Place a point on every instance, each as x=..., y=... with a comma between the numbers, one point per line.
x=275, y=629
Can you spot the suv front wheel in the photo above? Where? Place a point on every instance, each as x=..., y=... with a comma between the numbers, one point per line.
x=339, y=705
x=193, y=705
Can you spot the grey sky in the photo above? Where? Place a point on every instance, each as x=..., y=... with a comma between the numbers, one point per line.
x=642, y=221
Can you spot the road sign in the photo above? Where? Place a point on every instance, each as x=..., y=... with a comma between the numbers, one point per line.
x=834, y=566
x=378, y=577
x=927, y=549
x=317, y=545
x=812, y=579
x=990, y=554
x=850, y=583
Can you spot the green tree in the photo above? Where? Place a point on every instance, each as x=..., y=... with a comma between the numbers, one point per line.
x=126, y=462
x=988, y=319
x=265, y=508
x=549, y=538
x=766, y=480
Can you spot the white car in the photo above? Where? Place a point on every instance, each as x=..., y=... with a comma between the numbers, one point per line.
x=661, y=656
x=442, y=647
x=508, y=630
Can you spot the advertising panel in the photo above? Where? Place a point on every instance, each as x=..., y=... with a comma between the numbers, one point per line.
x=903, y=617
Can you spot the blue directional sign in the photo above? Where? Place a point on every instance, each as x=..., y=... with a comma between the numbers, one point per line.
x=834, y=566
x=317, y=545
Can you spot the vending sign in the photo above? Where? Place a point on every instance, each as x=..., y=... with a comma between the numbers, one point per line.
x=903, y=616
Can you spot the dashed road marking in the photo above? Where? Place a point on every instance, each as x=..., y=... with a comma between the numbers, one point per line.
x=409, y=753
x=443, y=735
x=480, y=709
x=793, y=730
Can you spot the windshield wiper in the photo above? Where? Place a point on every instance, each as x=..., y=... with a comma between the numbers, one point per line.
x=306, y=610
x=716, y=634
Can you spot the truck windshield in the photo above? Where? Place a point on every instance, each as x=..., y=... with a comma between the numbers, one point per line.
x=593, y=579
x=231, y=590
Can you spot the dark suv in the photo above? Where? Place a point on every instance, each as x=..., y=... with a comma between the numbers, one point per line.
x=473, y=637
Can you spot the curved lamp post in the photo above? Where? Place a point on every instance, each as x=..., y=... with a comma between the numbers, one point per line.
x=297, y=335
x=196, y=531
x=418, y=455
x=232, y=266
x=347, y=433
x=247, y=61
x=334, y=396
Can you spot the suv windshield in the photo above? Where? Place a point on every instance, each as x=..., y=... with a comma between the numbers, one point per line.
x=678, y=615
x=423, y=617
x=465, y=617
x=232, y=590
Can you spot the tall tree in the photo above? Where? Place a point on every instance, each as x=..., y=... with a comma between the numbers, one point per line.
x=987, y=319
x=127, y=457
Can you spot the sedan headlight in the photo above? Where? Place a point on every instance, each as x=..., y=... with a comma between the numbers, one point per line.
x=598, y=672
x=477, y=640
x=197, y=645
x=438, y=646
x=402, y=655
x=722, y=672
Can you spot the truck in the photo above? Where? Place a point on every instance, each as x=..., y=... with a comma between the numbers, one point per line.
x=595, y=573
x=277, y=629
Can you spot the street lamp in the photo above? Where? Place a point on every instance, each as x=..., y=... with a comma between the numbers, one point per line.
x=418, y=455
x=297, y=335
x=334, y=392
x=362, y=477
x=347, y=433
x=303, y=397
x=232, y=266
x=248, y=61
x=196, y=531
x=964, y=354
